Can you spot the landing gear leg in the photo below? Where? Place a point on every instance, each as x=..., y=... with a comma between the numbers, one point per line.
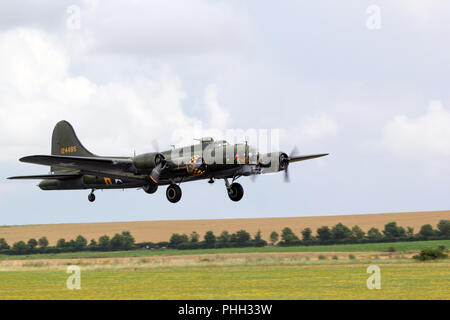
x=91, y=196
x=227, y=184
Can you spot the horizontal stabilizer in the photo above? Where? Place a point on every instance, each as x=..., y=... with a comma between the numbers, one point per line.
x=116, y=167
x=46, y=176
x=78, y=163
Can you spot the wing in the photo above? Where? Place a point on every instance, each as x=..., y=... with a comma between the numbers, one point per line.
x=47, y=176
x=307, y=157
x=273, y=168
x=119, y=167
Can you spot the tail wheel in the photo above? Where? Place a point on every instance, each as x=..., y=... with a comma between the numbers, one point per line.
x=91, y=197
x=173, y=193
x=235, y=192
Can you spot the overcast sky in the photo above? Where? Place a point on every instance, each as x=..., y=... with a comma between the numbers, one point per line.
x=366, y=81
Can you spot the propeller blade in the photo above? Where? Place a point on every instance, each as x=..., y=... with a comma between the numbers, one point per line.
x=291, y=156
x=286, y=176
x=294, y=152
x=156, y=172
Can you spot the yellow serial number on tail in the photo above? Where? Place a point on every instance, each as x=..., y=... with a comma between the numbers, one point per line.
x=70, y=149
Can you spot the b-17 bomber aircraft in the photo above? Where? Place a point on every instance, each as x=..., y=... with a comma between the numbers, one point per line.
x=73, y=167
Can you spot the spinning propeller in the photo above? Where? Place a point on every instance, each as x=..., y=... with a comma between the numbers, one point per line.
x=284, y=163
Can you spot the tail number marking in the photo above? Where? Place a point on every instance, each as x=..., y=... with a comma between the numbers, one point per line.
x=71, y=149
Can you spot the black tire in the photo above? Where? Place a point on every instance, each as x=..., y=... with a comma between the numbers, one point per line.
x=91, y=197
x=150, y=188
x=173, y=193
x=236, y=192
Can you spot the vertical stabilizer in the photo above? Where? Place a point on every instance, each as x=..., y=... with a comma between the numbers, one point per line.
x=65, y=142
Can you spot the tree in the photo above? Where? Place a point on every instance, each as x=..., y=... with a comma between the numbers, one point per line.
x=258, y=240
x=242, y=237
x=195, y=237
x=357, y=233
x=444, y=228
x=3, y=244
x=80, y=243
x=374, y=234
x=340, y=232
x=116, y=242
x=43, y=242
x=61, y=243
x=20, y=247
x=306, y=234
x=32, y=243
x=391, y=230
x=210, y=239
x=288, y=236
x=176, y=239
x=324, y=233
x=127, y=240
x=409, y=231
x=92, y=244
x=258, y=236
x=426, y=231
x=224, y=238
x=274, y=237
x=71, y=244
x=104, y=242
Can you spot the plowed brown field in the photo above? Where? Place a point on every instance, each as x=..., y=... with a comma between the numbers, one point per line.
x=156, y=231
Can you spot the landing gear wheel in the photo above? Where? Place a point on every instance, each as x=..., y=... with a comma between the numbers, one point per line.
x=91, y=197
x=173, y=193
x=150, y=188
x=235, y=192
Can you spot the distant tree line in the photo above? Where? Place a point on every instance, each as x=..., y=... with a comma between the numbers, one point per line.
x=341, y=234
x=338, y=234
x=123, y=241
x=240, y=238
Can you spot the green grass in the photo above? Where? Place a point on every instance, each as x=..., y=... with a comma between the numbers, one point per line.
x=399, y=246
x=327, y=280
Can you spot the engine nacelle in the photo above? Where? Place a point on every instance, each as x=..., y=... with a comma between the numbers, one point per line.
x=276, y=161
x=147, y=160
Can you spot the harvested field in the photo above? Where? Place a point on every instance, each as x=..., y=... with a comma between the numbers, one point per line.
x=156, y=231
x=220, y=259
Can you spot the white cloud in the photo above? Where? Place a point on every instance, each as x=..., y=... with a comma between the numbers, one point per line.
x=217, y=115
x=37, y=90
x=310, y=130
x=156, y=28
x=319, y=126
x=424, y=137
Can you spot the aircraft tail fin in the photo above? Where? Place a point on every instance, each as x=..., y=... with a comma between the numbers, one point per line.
x=66, y=143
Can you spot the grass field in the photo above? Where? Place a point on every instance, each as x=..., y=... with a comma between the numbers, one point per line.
x=156, y=231
x=399, y=247
x=257, y=279
x=314, y=272
x=319, y=272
